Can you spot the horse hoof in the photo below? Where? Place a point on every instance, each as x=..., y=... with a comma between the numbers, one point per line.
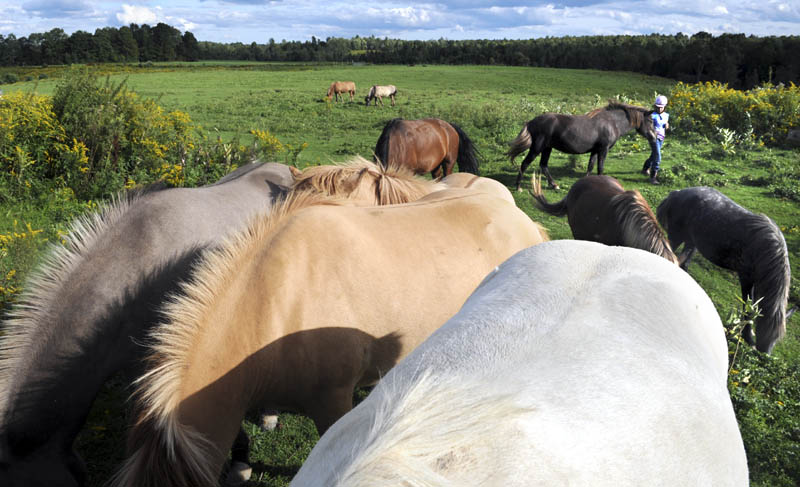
x=555, y=187
x=238, y=474
x=269, y=421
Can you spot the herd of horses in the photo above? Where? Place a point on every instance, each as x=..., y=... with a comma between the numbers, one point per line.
x=500, y=357
x=375, y=93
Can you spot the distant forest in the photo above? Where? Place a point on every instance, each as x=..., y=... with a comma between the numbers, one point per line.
x=738, y=60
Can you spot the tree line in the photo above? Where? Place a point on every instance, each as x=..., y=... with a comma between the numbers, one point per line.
x=736, y=59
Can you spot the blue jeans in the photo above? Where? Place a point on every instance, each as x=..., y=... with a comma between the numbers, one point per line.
x=654, y=161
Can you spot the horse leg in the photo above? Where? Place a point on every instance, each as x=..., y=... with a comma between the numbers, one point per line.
x=524, y=165
x=543, y=166
x=240, y=470
x=436, y=173
x=392, y=97
x=592, y=159
x=380, y=99
x=329, y=406
x=686, y=256
x=601, y=160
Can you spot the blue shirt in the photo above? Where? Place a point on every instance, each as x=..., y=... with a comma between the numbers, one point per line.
x=660, y=121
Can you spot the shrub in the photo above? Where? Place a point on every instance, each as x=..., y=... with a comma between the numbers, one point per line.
x=9, y=78
x=764, y=114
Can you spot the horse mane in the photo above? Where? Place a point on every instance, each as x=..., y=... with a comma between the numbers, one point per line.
x=392, y=184
x=416, y=441
x=635, y=113
x=371, y=93
x=157, y=426
x=29, y=316
x=772, y=275
x=639, y=226
x=382, y=146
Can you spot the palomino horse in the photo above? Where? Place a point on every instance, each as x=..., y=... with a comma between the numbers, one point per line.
x=301, y=308
x=734, y=238
x=427, y=145
x=377, y=92
x=595, y=132
x=574, y=363
x=364, y=183
x=339, y=87
x=599, y=209
x=84, y=315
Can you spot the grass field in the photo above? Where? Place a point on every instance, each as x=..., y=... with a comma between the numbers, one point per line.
x=490, y=104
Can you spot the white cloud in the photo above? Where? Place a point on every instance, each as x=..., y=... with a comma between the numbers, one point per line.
x=133, y=14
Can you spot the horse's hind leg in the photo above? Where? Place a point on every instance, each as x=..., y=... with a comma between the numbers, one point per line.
x=543, y=166
x=524, y=165
x=240, y=470
x=329, y=406
x=686, y=256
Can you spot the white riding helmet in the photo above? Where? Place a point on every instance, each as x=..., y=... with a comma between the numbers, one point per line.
x=661, y=101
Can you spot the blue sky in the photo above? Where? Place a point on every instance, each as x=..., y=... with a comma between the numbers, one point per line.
x=259, y=20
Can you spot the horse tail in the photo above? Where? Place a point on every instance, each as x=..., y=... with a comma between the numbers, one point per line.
x=167, y=454
x=555, y=209
x=468, y=154
x=520, y=144
x=638, y=225
x=382, y=146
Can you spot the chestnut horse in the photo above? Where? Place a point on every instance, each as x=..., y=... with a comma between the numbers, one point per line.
x=595, y=132
x=427, y=145
x=735, y=238
x=599, y=209
x=84, y=314
x=294, y=313
x=377, y=92
x=574, y=363
x=339, y=87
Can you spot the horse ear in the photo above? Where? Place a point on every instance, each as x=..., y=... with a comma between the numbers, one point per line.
x=295, y=172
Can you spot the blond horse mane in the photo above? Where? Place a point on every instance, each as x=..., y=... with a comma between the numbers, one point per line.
x=157, y=425
x=639, y=225
x=416, y=441
x=28, y=319
x=389, y=185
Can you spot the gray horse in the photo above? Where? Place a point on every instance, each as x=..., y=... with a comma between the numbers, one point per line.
x=87, y=311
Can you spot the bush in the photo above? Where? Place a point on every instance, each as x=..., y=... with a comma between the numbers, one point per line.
x=762, y=115
x=9, y=78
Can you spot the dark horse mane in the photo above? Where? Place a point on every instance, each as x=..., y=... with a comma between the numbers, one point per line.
x=639, y=225
x=382, y=146
x=636, y=114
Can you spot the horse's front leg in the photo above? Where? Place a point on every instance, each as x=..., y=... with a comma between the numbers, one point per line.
x=686, y=256
x=592, y=159
x=380, y=99
x=437, y=171
x=240, y=470
x=601, y=160
x=329, y=406
x=392, y=100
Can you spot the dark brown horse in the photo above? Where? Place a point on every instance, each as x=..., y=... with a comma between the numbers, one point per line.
x=595, y=132
x=599, y=209
x=427, y=145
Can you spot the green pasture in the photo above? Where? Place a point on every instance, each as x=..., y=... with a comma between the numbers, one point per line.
x=490, y=103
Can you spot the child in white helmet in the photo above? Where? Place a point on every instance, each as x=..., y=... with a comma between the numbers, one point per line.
x=660, y=124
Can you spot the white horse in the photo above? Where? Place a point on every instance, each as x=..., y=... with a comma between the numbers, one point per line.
x=573, y=363
x=377, y=92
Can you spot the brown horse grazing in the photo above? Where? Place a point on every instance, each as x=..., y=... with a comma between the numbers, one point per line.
x=427, y=145
x=364, y=183
x=294, y=313
x=339, y=87
x=595, y=132
x=599, y=209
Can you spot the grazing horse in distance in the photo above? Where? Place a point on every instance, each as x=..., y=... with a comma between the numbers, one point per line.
x=595, y=132
x=377, y=92
x=732, y=237
x=599, y=209
x=257, y=327
x=86, y=311
x=426, y=145
x=573, y=363
x=339, y=87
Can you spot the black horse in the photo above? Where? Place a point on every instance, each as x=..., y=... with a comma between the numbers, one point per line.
x=735, y=238
x=595, y=132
